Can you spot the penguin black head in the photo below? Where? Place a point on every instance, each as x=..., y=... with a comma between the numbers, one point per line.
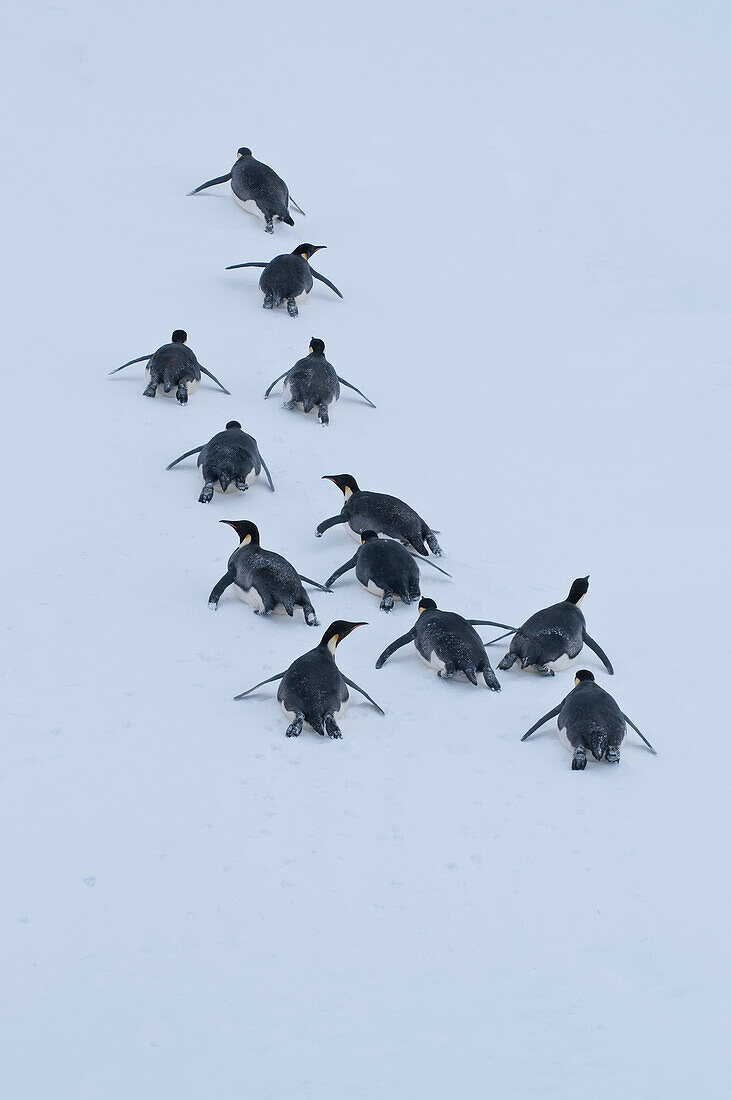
x=578, y=590
x=366, y=536
x=317, y=347
x=180, y=336
x=247, y=531
x=243, y=152
x=425, y=604
x=233, y=424
x=583, y=674
x=335, y=633
x=345, y=482
x=307, y=250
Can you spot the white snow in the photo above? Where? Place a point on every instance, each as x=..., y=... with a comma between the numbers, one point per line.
x=525, y=206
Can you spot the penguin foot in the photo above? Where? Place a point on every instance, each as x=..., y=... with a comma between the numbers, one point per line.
x=322, y=416
x=295, y=729
x=241, y=484
x=612, y=756
x=331, y=727
x=268, y=301
x=269, y=227
x=290, y=406
x=182, y=394
x=387, y=603
x=206, y=493
x=311, y=619
x=579, y=761
x=151, y=390
x=545, y=670
x=507, y=662
x=292, y=307
x=431, y=541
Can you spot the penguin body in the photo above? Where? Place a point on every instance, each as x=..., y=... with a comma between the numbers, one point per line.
x=312, y=384
x=448, y=643
x=386, y=569
x=257, y=189
x=173, y=370
x=229, y=461
x=266, y=581
x=589, y=723
x=313, y=691
x=288, y=278
x=552, y=638
x=381, y=513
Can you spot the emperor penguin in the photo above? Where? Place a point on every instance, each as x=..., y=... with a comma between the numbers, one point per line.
x=589, y=723
x=313, y=689
x=257, y=189
x=172, y=370
x=288, y=277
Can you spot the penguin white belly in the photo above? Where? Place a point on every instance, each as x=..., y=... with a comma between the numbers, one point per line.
x=561, y=663
x=191, y=386
x=563, y=738
x=250, y=597
x=287, y=394
x=373, y=587
x=249, y=205
x=433, y=661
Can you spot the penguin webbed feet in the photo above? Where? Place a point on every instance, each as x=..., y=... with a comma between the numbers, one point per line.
x=491, y=679
x=331, y=727
x=292, y=307
x=507, y=662
x=269, y=227
x=579, y=761
x=241, y=484
x=295, y=727
x=310, y=617
x=206, y=493
x=151, y=389
x=387, y=602
x=181, y=394
x=612, y=756
x=268, y=301
x=545, y=670
x=322, y=416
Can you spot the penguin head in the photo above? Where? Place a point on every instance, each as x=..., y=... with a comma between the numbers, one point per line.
x=247, y=531
x=345, y=482
x=307, y=250
x=317, y=347
x=578, y=590
x=366, y=536
x=233, y=424
x=335, y=633
x=582, y=675
x=425, y=604
x=180, y=336
x=243, y=152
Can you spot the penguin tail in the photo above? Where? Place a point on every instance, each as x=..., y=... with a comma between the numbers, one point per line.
x=286, y=218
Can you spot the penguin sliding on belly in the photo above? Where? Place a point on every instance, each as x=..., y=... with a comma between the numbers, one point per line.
x=385, y=568
x=549, y=640
x=386, y=515
x=288, y=278
x=448, y=643
x=313, y=384
x=258, y=189
x=313, y=689
x=229, y=461
x=589, y=721
x=263, y=579
x=172, y=370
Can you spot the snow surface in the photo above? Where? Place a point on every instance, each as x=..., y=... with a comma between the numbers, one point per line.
x=526, y=208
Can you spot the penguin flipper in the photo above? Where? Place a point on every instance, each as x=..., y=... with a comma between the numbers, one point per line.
x=214, y=379
x=352, y=387
x=428, y=561
x=364, y=694
x=343, y=569
x=186, y=455
x=266, y=471
x=328, y=523
x=269, y=681
x=315, y=584
x=391, y=649
x=634, y=727
x=551, y=714
x=281, y=376
x=226, y=580
x=252, y=264
x=500, y=638
x=489, y=622
x=211, y=183
x=317, y=275
x=599, y=652
x=142, y=359
x=297, y=206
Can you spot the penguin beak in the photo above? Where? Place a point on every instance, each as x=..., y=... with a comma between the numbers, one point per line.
x=317, y=248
